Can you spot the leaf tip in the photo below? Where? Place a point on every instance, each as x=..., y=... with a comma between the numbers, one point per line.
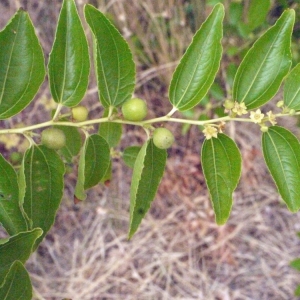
x=221, y=220
x=292, y=208
x=131, y=234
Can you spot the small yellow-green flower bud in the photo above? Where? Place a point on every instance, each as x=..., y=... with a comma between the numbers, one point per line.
x=280, y=103
x=264, y=128
x=292, y=112
x=228, y=104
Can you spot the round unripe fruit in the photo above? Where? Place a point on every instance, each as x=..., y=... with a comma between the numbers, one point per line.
x=53, y=138
x=135, y=109
x=15, y=157
x=80, y=113
x=163, y=138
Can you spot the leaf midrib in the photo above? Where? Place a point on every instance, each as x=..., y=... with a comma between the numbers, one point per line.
x=9, y=61
x=256, y=75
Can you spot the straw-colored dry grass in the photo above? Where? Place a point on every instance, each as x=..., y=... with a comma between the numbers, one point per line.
x=178, y=252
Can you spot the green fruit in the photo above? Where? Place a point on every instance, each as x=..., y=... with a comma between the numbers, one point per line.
x=163, y=138
x=15, y=157
x=135, y=109
x=53, y=138
x=80, y=113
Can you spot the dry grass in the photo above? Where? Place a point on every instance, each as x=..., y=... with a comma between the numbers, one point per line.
x=157, y=31
x=179, y=252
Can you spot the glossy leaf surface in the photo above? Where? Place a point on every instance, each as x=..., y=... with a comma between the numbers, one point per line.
x=291, y=91
x=198, y=67
x=22, y=69
x=147, y=174
x=281, y=151
x=115, y=68
x=111, y=132
x=130, y=154
x=69, y=62
x=263, y=68
x=44, y=177
x=17, y=284
x=97, y=158
x=221, y=163
x=93, y=164
x=11, y=216
x=17, y=247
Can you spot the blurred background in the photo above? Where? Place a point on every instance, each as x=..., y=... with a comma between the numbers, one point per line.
x=179, y=252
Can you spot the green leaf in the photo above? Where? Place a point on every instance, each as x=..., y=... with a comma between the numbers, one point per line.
x=69, y=63
x=73, y=142
x=295, y=264
x=22, y=191
x=97, y=158
x=244, y=31
x=147, y=174
x=111, y=132
x=22, y=69
x=257, y=13
x=199, y=65
x=115, y=68
x=297, y=291
x=93, y=164
x=291, y=91
x=217, y=92
x=17, y=247
x=108, y=174
x=221, y=163
x=11, y=216
x=213, y=2
x=281, y=151
x=44, y=177
x=230, y=73
x=235, y=13
x=130, y=154
x=17, y=284
x=79, y=188
x=262, y=70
